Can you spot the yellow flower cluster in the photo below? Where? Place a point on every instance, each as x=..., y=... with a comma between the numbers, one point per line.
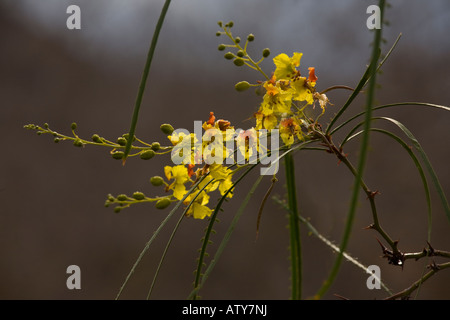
x=287, y=94
x=215, y=176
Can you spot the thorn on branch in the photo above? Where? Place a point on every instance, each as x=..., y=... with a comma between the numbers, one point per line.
x=433, y=266
x=372, y=194
x=430, y=250
x=370, y=226
x=395, y=258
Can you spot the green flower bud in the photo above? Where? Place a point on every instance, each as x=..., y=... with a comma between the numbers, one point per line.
x=56, y=140
x=220, y=23
x=156, y=181
x=118, y=155
x=146, y=155
x=111, y=198
x=45, y=125
x=229, y=56
x=117, y=209
x=221, y=47
x=126, y=135
x=238, y=62
x=218, y=33
x=96, y=138
x=138, y=195
x=166, y=128
x=162, y=203
x=266, y=52
x=230, y=24
x=250, y=37
x=240, y=53
x=237, y=39
x=242, y=86
x=156, y=146
x=122, y=141
x=122, y=197
x=73, y=126
x=78, y=143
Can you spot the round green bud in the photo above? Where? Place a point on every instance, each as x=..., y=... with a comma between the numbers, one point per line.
x=218, y=33
x=45, y=125
x=221, y=47
x=240, y=53
x=242, y=86
x=117, y=209
x=111, y=198
x=122, y=141
x=138, y=195
x=73, y=126
x=156, y=146
x=220, y=23
x=56, y=140
x=78, y=143
x=122, y=197
x=126, y=135
x=118, y=155
x=148, y=154
x=229, y=56
x=230, y=24
x=238, y=62
x=162, y=203
x=96, y=138
x=266, y=52
x=237, y=39
x=166, y=128
x=250, y=37
x=156, y=181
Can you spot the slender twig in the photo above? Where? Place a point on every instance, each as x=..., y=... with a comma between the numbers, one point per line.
x=434, y=269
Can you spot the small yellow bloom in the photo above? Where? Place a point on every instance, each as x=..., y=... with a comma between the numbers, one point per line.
x=181, y=176
x=286, y=66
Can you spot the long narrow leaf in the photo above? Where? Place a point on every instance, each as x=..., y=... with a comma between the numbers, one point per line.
x=209, y=229
x=155, y=234
x=427, y=163
x=423, y=104
x=362, y=160
x=226, y=238
x=330, y=244
x=294, y=230
x=144, y=77
x=173, y=235
x=419, y=169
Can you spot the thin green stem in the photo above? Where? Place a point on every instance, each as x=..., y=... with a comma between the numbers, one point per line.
x=145, y=73
x=294, y=230
x=362, y=159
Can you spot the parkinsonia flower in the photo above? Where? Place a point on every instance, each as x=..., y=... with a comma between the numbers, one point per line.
x=287, y=94
x=207, y=155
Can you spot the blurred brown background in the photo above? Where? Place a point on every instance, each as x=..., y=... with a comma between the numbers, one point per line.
x=52, y=195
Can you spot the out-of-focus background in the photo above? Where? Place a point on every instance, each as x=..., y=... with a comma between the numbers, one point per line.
x=52, y=195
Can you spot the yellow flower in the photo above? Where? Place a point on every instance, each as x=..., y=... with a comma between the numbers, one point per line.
x=198, y=209
x=289, y=128
x=301, y=90
x=224, y=176
x=180, y=176
x=286, y=66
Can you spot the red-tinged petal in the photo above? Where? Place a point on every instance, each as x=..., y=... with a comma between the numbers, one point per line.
x=212, y=118
x=312, y=74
